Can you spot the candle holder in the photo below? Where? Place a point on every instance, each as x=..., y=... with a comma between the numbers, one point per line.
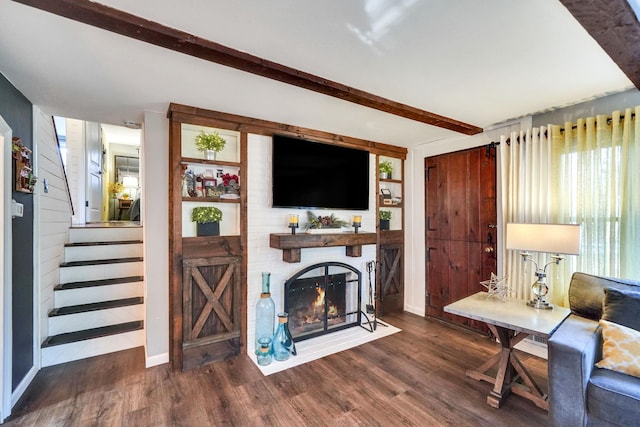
x=293, y=223
x=357, y=223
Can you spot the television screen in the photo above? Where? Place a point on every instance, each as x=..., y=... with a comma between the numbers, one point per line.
x=309, y=174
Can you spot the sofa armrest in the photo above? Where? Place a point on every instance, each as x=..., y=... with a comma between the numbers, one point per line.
x=574, y=349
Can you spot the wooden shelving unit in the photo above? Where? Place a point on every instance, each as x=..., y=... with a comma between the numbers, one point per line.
x=208, y=273
x=390, y=277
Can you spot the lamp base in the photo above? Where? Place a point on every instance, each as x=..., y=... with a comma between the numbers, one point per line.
x=539, y=304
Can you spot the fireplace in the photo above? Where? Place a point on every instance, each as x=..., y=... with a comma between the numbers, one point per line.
x=323, y=298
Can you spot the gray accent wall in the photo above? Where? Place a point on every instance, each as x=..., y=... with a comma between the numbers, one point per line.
x=604, y=105
x=17, y=111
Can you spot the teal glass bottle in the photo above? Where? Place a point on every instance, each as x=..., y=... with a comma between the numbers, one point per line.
x=263, y=353
x=265, y=312
x=282, y=343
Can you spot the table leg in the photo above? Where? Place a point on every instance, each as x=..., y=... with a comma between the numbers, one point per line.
x=509, y=371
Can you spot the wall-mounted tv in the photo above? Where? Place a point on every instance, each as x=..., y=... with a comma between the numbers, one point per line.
x=309, y=174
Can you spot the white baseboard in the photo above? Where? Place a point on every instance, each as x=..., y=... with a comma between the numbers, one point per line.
x=22, y=387
x=415, y=310
x=157, y=359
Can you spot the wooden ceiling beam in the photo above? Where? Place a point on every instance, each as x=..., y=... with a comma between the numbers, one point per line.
x=129, y=25
x=614, y=25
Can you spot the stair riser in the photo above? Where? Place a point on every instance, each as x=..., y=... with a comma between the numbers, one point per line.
x=93, y=347
x=100, y=272
x=90, y=253
x=69, y=297
x=95, y=319
x=113, y=234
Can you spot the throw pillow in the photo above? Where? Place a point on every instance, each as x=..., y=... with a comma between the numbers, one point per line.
x=620, y=349
x=622, y=306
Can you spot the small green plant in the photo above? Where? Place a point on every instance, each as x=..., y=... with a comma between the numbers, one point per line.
x=210, y=141
x=385, y=215
x=385, y=167
x=205, y=214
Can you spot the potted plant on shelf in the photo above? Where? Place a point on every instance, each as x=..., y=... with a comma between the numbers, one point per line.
x=385, y=218
x=385, y=169
x=210, y=143
x=207, y=219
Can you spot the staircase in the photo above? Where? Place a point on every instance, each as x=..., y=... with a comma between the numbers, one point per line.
x=98, y=304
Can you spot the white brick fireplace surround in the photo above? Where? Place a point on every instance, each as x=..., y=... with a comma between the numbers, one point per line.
x=264, y=220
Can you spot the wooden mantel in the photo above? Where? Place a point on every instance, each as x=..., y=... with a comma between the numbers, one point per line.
x=292, y=244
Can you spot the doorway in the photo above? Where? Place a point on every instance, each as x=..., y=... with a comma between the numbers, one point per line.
x=461, y=229
x=102, y=163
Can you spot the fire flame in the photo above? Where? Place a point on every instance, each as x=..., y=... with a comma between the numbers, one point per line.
x=317, y=309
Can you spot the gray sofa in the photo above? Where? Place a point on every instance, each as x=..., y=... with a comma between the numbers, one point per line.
x=581, y=394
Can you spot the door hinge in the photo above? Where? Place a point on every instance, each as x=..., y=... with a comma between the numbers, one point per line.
x=86, y=203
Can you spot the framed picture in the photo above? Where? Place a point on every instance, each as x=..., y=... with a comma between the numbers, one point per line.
x=209, y=189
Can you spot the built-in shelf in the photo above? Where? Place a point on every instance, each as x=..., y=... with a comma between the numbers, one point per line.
x=210, y=199
x=292, y=244
x=189, y=160
x=395, y=181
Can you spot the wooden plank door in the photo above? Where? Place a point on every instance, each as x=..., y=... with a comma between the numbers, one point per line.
x=460, y=236
x=391, y=281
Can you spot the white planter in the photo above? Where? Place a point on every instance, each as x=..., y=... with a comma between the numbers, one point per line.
x=209, y=155
x=323, y=230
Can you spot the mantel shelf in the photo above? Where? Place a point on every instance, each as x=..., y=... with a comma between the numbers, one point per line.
x=292, y=244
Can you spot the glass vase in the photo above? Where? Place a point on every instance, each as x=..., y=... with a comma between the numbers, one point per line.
x=282, y=343
x=265, y=312
x=263, y=352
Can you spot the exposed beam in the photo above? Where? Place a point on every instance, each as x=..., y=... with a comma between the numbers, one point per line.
x=129, y=25
x=614, y=25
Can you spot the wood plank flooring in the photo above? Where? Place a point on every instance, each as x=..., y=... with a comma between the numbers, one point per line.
x=412, y=378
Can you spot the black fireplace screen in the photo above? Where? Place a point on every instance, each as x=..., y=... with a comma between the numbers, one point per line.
x=323, y=298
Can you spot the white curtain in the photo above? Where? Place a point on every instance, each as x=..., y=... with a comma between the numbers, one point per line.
x=587, y=173
x=525, y=167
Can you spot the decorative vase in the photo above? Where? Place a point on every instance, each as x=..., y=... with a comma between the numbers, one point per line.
x=209, y=154
x=265, y=312
x=208, y=229
x=263, y=352
x=282, y=343
x=384, y=224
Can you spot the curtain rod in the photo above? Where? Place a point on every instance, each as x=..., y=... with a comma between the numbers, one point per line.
x=492, y=144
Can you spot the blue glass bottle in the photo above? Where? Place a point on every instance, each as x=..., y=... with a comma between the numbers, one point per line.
x=265, y=312
x=263, y=353
x=282, y=343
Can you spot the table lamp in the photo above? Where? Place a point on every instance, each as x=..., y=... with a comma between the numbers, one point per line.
x=549, y=238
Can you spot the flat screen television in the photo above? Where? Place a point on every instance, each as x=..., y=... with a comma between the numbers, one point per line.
x=308, y=174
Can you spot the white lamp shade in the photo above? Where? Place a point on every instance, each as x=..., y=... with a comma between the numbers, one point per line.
x=549, y=238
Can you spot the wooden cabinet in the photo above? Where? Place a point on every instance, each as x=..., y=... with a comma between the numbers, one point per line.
x=390, y=200
x=208, y=273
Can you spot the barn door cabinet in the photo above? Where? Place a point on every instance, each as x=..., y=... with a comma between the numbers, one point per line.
x=390, y=278
x=208, y=273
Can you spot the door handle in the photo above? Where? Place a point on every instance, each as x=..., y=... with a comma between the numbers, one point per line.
x=489, y=249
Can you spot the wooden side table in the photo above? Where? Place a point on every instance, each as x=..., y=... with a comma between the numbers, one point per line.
x=123, y=205
x=511, y=322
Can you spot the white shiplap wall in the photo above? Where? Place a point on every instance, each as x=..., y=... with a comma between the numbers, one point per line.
x=264, y=220
x=54, y=213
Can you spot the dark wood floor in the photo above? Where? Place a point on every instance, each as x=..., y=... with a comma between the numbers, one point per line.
x=413, y=378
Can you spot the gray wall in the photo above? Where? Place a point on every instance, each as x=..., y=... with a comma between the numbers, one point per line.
x=17, y=112
x=605, y=105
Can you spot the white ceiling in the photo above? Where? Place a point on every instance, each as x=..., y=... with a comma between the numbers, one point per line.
x=480, y=62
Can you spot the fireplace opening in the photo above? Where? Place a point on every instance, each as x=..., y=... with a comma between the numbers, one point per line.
x=323, y=298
